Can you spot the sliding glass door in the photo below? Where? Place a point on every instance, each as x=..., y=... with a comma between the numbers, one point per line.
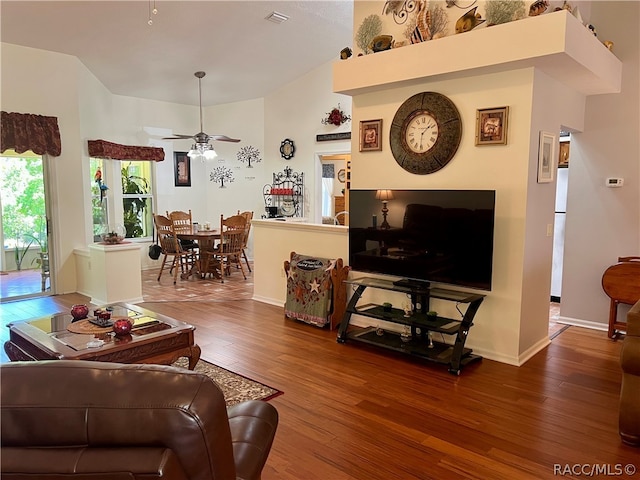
x=25, y=265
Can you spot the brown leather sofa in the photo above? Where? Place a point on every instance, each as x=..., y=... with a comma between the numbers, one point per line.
x=107, y=421
x=629, y=423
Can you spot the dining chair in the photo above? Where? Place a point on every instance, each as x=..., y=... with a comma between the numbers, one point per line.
x=171, y=247
x=183, y=223
x=248, y=216
x=232, y=233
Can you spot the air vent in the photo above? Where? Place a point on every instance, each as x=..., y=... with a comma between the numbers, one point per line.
x=277, y=17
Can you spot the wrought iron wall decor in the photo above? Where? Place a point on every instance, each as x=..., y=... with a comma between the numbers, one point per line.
x=285, y=194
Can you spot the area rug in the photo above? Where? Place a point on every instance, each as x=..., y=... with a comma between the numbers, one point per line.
x=236, y=388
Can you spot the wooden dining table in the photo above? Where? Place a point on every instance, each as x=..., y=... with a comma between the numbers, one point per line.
x=206, y=243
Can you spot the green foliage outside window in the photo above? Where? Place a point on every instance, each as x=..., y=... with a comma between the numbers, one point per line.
x=136, y=199
x=23, y=205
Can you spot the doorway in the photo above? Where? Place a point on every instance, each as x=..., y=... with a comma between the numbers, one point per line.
x=332, y=187
x=562, y=183
x=25, y=263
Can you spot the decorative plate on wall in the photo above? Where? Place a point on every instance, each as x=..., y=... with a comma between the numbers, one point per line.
x=287, y=149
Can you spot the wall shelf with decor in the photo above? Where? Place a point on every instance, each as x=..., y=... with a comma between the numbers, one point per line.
x=284, y=197
x=570, y=53
x=419, y=324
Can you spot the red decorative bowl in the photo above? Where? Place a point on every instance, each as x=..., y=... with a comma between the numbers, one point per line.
x=122, y=326
x=78, y=312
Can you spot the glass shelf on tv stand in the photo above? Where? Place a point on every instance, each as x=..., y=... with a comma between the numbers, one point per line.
x=420, y=323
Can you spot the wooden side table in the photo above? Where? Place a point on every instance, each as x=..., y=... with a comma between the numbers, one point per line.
x=621, y=282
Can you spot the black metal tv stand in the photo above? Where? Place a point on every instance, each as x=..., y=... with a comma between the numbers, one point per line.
x=420, y=342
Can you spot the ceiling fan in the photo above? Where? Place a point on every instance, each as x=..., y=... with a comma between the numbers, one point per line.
x=202, y=147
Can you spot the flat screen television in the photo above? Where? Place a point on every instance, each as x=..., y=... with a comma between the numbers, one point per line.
x=442, y=236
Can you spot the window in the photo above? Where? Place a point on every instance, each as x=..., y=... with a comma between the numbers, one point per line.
x=134, y=194
x=137, y=198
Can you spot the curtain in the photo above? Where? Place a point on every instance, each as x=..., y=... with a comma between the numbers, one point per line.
x=25, y=131
x=115, y=151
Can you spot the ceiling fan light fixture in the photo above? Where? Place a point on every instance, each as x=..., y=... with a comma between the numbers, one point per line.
x=210, y=153
x=204, y=151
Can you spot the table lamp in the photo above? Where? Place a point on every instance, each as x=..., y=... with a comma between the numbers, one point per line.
x=385, y=196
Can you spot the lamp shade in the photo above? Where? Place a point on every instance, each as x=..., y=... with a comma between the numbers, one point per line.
x=384, y=195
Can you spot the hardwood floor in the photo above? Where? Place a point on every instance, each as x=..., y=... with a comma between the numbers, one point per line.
x=350, y=412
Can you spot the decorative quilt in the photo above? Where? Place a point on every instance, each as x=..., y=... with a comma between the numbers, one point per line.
x=309, y=289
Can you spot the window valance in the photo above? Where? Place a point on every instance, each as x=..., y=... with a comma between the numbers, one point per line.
x=25, y=131
x=115, y=151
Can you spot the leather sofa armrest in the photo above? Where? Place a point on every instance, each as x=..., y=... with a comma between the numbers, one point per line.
x=253, y=426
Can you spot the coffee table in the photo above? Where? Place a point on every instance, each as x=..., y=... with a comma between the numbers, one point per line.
x=155, y=338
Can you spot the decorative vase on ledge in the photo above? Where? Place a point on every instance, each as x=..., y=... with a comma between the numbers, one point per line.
x=114, y=234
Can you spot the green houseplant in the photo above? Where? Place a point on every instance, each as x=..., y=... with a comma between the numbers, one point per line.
x=134, y=207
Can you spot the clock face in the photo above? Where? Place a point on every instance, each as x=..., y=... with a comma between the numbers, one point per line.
x=425, y=133
x=421, y=132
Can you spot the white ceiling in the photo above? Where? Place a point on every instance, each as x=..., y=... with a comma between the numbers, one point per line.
x=244, y=55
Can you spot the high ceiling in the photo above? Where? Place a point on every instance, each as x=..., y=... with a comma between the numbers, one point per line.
x=244, y=55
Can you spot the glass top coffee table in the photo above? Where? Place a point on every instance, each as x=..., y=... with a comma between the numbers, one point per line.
x=154, y=338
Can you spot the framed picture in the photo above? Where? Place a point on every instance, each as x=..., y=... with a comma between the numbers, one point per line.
x=492, y=126
x=546, y=157
x=182, y=169
x=370, y=138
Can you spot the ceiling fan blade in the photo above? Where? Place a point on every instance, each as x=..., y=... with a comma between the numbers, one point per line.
x=223, y=138
x=177, y=137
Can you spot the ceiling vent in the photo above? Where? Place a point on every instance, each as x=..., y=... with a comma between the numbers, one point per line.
x=277, y=17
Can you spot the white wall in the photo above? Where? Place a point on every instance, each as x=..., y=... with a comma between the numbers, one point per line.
x=604, y=223
x=295, y=111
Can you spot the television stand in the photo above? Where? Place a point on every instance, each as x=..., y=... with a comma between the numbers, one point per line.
x=419, y=343
x=412, y=284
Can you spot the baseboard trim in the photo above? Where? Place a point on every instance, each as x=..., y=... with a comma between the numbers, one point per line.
x=583, y=323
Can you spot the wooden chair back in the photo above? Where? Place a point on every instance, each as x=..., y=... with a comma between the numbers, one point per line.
x=621, y=283
x=171, y=247
x=166, y=235
x=182, y=221
x=248, y=217
x=234, y=222
x=232, y=233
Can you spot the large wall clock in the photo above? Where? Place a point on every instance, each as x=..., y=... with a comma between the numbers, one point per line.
x=425, y=133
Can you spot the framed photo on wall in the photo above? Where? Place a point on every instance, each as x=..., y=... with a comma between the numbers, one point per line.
x=546, y=157
x=492, y=126
x=370, y=135
x=182, y=169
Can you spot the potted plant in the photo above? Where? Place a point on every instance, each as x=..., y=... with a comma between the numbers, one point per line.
x=40, y=238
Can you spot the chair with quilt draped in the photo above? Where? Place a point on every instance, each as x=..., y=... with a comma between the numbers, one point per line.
x=171, y=247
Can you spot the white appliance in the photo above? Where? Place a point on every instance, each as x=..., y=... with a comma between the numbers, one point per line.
x=558, y=232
